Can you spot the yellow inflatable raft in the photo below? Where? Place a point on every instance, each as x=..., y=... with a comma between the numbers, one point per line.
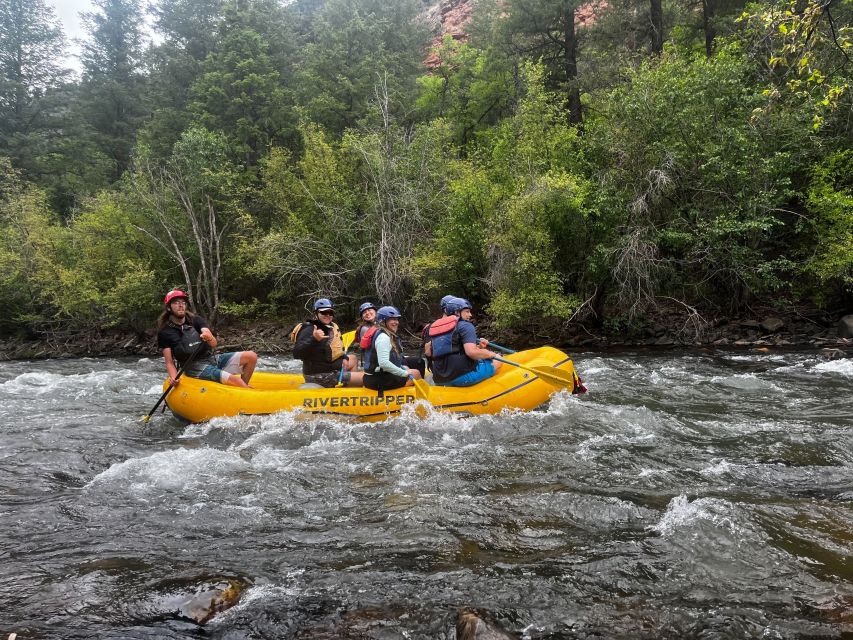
x=512, y=387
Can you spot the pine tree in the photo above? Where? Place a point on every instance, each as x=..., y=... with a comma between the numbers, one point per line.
x=31, y=47
x=113, y=82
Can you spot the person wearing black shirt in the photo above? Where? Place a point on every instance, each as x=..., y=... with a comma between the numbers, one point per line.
x=181, y=332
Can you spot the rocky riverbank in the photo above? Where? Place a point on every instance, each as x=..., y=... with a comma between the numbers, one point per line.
x=673, y=330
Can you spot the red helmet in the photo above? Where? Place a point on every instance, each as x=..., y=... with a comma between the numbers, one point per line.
x=176, y=293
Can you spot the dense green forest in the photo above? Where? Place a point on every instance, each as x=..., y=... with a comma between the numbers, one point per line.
x=563, y=161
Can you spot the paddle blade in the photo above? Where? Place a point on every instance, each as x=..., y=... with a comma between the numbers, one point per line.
x=556, y=377
x=347, y=339
x=145, y=419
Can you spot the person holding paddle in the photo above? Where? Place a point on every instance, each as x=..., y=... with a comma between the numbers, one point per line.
x=185, y=337
x=459, y=357
x=385, y=366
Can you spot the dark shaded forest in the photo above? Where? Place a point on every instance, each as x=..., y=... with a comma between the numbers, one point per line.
x=560, y=162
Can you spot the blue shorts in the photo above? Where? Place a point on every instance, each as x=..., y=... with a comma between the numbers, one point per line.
x=226, y=364
x=485, y=369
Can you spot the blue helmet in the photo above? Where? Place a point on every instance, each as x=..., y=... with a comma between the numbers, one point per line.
x=323, y=303
x=444, y=302
x=364, y=307
x=457, y=304
x=385, y=313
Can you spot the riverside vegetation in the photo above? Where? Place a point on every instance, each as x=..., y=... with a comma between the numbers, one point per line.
x=562, y=165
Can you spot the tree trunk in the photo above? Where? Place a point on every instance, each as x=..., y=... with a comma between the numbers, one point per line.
x=656, y=17
x=571, y=62
x=708, y=26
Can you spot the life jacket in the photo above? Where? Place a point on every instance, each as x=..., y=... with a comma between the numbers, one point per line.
x=444, y=337
x=361, y=331
x=336, y=343
x=368, y=348
x=190, y=339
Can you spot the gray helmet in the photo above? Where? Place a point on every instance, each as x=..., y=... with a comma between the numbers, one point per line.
x=456, y=305
x=385, y=313
x=323, y=303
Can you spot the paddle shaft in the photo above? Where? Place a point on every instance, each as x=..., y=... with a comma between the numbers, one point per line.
x=552, y=376
x=171, y=386
x=493, y=345
x=421, y=389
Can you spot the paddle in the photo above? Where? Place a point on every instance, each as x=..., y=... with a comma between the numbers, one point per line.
x=347, y=339
x=341, y=374
x=492, y=345
x=556, y=377
x=421, y=389
x=147, y=417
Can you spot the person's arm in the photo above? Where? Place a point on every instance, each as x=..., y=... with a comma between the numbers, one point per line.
x=208, y=337
x=304, y=342
x=478, y=353
x=204, y=332
x=383, y=356
x=170, y=367
x=470, y=343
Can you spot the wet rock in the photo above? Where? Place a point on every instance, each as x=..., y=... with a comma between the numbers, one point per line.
x=721, y=342
x=742, y=343
x=832, y=354
x=750, y=324
x=845, y=326
x=665, y=341
x=210, y=600
x=772, y=324
x=475, y=625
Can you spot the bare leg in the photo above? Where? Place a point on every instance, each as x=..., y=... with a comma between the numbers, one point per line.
x=248, y=361
x=235, y=381
x=356, y=379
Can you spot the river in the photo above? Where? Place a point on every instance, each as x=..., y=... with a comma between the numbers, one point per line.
x=688, y=495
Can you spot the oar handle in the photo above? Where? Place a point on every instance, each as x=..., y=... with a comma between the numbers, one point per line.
x=171, y=386
x=341, y=374
x=493, y=345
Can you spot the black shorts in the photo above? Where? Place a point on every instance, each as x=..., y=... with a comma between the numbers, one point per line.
x=328, y=380
x=384, y=381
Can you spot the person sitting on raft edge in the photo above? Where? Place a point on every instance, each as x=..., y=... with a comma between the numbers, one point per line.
x=384, y=363
x=425, y=331
x=179, y=334
x=459, y=357
x=317, y=342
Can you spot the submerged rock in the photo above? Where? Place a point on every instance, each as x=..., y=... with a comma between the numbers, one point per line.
x=473, y=625
x=210, y=600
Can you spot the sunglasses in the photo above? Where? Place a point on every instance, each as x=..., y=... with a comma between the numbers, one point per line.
x=328, y=312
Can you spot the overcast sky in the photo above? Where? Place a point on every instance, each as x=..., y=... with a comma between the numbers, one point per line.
x=68, y=13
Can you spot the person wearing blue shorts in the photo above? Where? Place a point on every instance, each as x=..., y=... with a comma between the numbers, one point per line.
x=459, y=357
x=185, y=337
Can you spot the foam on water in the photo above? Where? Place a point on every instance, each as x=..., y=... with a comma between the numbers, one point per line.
x=843, y=366
x=173, y=470
x=682, y=514
x=746, y=382
x=38, y=383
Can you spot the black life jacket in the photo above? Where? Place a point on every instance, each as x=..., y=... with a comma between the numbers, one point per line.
x=368, y=348
x=190, y=339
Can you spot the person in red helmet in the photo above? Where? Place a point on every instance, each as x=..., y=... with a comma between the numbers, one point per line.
x=179, y=334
